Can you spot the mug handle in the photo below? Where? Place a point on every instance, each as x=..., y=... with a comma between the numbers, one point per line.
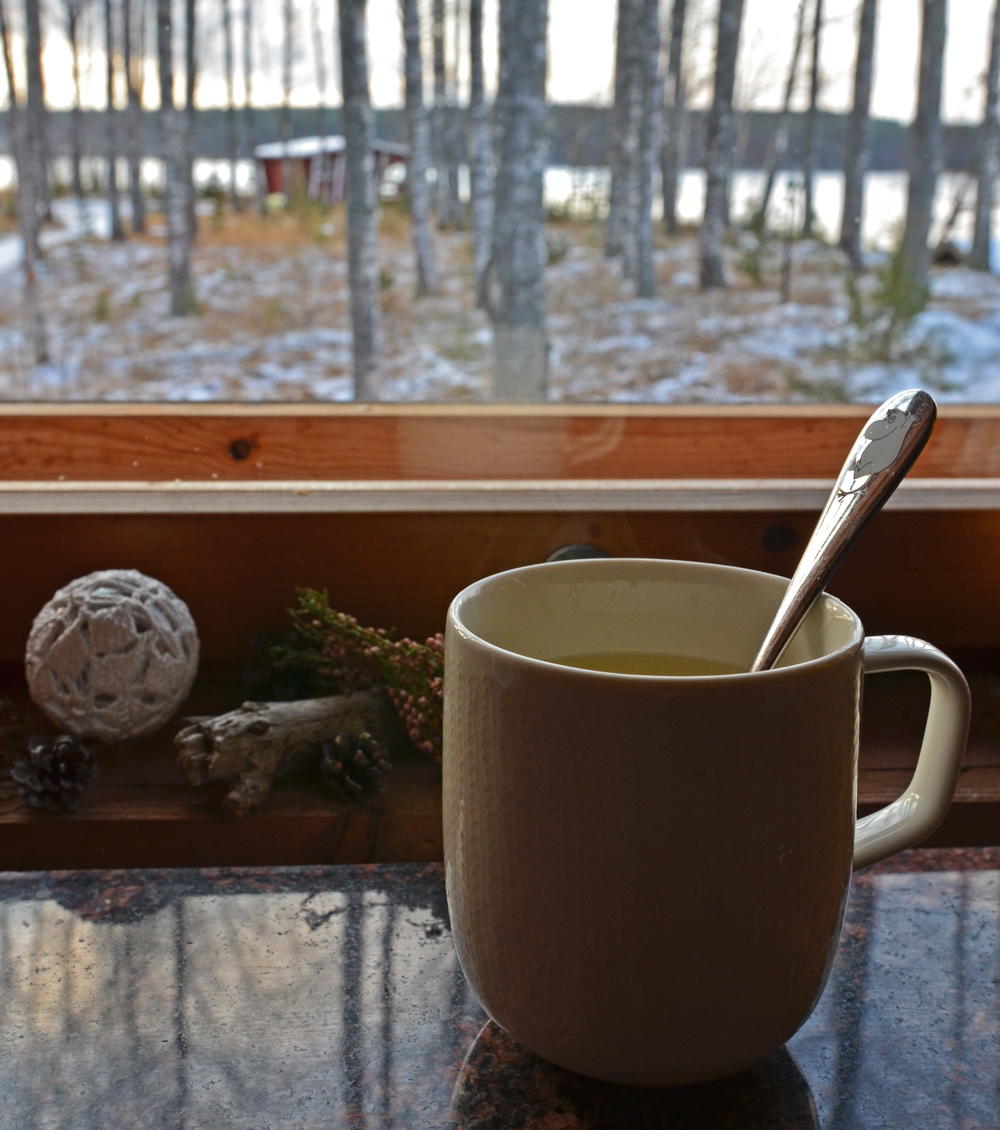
x=922, y=807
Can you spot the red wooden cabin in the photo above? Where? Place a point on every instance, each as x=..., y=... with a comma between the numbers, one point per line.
x=320, y=162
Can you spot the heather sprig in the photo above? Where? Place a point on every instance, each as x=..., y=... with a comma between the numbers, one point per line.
x=344, y=656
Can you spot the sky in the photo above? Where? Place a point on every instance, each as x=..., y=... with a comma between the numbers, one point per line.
x=581, y=54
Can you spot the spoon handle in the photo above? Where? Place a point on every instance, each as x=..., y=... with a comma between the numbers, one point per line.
x=884, y=452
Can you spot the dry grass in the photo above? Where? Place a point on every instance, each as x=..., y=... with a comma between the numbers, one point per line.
x=273, y=320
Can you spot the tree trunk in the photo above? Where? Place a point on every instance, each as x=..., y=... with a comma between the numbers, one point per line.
x=987, y=156
x=958, y=206
x=286, y=98
x=134, y=131
x=623, y=205
x=454, y=140
x=809, y=143
x=319, y=59
x=857, y=138
x=517, y=284
x=175, y=195
x=737, y=154
x=632, y=141
x=439, y=124
x=652, y=111
x=74, y=9
x=36, y=131
x=777, y=145
x=675, y=119
x=418, y=128
x=27, y=206
x=117, y=231
x=249, y=118
x=480, y=152
x=232, y=134
x=925, y=150
x=362, y=216
x=717, y=142
x=190, y=81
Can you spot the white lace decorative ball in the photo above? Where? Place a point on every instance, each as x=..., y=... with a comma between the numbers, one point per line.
x=112, y=655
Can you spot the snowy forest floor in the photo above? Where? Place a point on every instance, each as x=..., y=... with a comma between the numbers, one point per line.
x=273, y=323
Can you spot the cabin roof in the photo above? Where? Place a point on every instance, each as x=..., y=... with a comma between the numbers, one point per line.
x=312, y=146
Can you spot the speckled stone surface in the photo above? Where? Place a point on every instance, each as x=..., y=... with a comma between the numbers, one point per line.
x=331, y=997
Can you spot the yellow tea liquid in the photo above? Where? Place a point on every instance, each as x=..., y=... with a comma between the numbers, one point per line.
x=647, y=663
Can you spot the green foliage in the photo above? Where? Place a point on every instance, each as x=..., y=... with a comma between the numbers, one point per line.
x=556, y=247
x=881, y=332
x=215, y=192
x=752, y=246
x=312, y=214
x=883, y=315
x=273, y=310
x=102, y=307
x=755, y=243
x=340, y=656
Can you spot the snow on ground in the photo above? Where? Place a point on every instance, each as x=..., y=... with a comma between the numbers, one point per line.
x=273, y=322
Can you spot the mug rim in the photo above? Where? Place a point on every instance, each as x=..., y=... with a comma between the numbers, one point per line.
x=453, y=617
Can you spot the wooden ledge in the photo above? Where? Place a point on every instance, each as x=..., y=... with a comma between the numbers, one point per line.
x=461, y=442
x=495, y=409
x=468, y=496
x=170, y=825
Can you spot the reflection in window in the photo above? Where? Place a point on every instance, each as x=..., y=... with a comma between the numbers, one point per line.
x=238, y=1009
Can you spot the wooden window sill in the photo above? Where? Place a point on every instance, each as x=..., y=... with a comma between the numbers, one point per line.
x=395, y=508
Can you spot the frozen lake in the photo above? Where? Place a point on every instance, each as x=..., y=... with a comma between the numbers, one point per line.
x=584, y=191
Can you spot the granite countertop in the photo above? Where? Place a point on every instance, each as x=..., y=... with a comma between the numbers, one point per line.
x=331, y=997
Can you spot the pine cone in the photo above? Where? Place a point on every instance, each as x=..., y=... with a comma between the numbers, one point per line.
x=353, y=765
x=56, y=774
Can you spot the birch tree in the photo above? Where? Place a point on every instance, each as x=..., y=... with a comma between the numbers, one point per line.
x=418, y=128
x=442, y=190
x=925, y=151
x=649, y=145
x=809, y=142
x=73, y=13
x=37, y=117
x=232, y=134
x=319, y=64
x=249, y=118
x=288, y=22
x=362, y=216
x=626, y=116
x=114, y=203
x=777, y=146
x=480, y=151
x=133, y=82
x=453, y=127
x=27, y=203
x=516, y=283
x=987, y=155
x=179, y=233
x=187, y=133
x=857, y=137
x=717, y=141
x=674, y=119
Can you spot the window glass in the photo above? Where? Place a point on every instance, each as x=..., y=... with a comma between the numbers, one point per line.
x=648, y=201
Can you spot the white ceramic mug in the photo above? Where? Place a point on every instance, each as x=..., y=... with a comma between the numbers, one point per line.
x=647, y=875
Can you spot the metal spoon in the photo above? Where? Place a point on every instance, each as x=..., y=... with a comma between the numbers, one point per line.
x=884, y=452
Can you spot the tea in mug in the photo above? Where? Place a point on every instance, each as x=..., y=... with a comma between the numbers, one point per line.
x=647, y=663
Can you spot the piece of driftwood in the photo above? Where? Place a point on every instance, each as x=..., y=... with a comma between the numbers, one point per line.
x=261, y=741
